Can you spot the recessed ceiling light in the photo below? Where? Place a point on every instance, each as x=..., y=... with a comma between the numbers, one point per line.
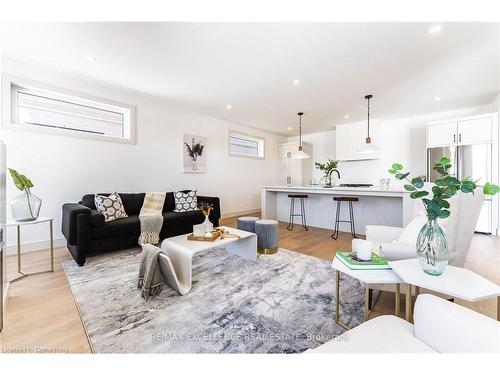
x=228, y=106
x=437, y=98
x=90, y=58
x=435, y=29
x=296, y=82
x=289, y=128
x=347, y=116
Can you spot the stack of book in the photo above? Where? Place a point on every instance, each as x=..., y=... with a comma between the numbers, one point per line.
x=350, y=260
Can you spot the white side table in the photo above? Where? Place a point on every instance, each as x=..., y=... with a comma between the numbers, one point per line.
x=368, y=277
x=19, y=224
x=454, y=281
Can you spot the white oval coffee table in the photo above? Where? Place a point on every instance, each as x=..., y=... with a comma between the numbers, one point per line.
x=176, y=257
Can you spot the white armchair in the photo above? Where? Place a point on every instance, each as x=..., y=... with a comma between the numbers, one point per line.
x=440, y=326
x=399, y=243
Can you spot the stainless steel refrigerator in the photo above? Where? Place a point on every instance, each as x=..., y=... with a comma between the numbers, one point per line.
x=468, y=161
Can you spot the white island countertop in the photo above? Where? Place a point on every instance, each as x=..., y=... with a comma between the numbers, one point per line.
x=376, y=205
x=315, y=189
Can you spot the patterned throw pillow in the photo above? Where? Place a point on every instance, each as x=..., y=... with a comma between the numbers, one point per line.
x=185, y=202
x=111, y=206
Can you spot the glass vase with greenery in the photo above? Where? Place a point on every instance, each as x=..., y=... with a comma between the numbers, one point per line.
x=25, y=207
x=327, y=168
x=432, y=247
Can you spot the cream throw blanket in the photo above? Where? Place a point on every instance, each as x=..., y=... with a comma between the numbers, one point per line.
x=151, y=218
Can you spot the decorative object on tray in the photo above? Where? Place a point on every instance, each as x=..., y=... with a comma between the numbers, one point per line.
x=208, y=236
x=226, y=234
x=26, y=206
x=207, y=208
x=432, y=247
x=194, y=158
x=327, y=168
x=354, y=263
x=185, y=202
x=110, y=206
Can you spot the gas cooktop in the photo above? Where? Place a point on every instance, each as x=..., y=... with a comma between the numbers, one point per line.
x=356, y=185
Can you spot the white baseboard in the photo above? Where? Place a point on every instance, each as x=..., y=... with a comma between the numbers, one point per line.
x=240, y=213
x=27, y=247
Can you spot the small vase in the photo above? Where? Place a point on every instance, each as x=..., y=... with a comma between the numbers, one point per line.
x=326, y=181
x=209, y=227
x=432, y=248
x=194, y=165
x=26, y=206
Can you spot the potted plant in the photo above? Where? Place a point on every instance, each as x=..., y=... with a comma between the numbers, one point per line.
x=26, y=206
x=327, y=168
x=432, y=247
x=195, y=150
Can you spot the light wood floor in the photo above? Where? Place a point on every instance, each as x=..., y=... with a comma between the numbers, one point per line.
x=42, y=315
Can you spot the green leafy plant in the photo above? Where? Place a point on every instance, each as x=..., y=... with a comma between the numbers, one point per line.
x=327, y=167
x=445, y=188
x=23, y=183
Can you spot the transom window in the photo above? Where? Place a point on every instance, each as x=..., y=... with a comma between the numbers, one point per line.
x=245, y=145
x=39, y=109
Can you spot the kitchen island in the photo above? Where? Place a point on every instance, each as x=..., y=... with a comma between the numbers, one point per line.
x=376, y=206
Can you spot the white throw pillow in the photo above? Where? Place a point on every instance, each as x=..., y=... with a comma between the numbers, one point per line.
x=111, y=206
x=410, y=233
x=185, y=202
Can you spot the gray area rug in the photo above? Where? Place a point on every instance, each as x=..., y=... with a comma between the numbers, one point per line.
x=283, y=303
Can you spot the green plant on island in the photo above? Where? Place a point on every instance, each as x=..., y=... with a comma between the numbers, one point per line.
x=327, y=168
x=444, y=188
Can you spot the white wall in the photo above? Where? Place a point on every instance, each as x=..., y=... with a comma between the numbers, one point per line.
x=64, y=168
x=400, y=140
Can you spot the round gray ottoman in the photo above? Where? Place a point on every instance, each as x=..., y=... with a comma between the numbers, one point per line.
x=267, y=232
x=247, y=223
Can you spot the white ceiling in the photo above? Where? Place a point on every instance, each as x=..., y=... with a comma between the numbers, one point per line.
x=251, y=66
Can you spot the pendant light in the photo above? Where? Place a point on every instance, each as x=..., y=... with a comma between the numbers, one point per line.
x=300, y=154
x=368, y=148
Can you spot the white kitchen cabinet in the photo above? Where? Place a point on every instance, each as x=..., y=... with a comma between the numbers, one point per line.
x=350, y=137
x=294, y=171
x=442, y=134
x=463, y=131
x=474, y=131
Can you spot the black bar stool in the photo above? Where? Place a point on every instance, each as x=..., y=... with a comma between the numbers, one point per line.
x=302, y=210
x=339, y=200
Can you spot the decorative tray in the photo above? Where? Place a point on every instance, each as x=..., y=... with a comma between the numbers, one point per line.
x=215, y=234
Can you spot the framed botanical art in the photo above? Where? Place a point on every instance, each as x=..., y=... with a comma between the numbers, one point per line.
x=194, y=154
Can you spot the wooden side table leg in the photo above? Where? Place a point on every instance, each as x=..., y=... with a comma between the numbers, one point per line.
x=498, y=308
x=19, y=249
x=337, y=301
x=367, y=302
x=397, y=300
x=408, y=303
x=51, y=236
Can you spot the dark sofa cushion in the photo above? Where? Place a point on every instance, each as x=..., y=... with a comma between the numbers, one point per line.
x=176, y=219
x=125, y=226
x=96, y=218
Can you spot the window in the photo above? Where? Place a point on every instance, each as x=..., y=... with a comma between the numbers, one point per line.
x=54, y=111
x=244, y=145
